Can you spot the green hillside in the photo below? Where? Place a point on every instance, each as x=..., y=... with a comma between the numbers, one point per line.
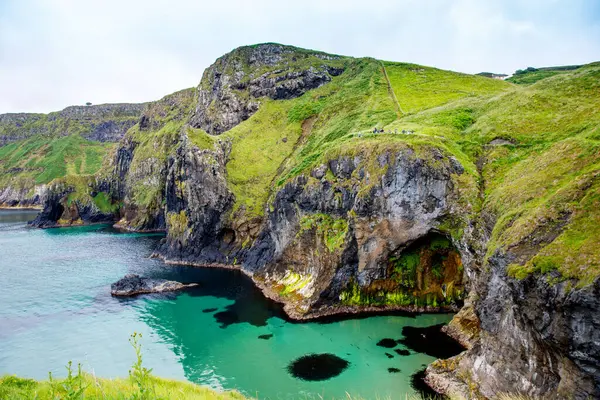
x=40, y=159
x=533, y=148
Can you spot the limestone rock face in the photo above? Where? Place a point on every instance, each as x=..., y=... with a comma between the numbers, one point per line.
x=231, y=88
x=132, y=284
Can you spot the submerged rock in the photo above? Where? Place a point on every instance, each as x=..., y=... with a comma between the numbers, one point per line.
x=266, y=336
x=430, y=340
x=317, y=367
x=132, y=284
x=402, y=352
x=387, y=343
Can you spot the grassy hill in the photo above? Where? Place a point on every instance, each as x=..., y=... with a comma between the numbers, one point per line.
x=533, y=148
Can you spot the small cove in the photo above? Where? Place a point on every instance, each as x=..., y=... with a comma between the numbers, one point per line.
x=56, y=307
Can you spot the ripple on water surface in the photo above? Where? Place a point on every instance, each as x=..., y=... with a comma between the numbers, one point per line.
x=57, y=307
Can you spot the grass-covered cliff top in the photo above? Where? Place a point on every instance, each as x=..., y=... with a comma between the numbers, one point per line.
x=536, y=147
x=533, y=148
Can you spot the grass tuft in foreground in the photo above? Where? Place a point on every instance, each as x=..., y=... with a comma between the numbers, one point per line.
x=78, y=385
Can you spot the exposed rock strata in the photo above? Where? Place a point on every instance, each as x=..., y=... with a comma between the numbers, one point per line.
x=290, y=257
x=61, y=210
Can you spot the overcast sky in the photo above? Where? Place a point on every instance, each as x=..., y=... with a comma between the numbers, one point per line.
x=57, y=53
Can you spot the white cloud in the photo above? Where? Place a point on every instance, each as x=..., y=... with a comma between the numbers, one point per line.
x=62, y=52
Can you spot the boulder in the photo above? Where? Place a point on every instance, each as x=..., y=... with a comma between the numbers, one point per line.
x=133, y=284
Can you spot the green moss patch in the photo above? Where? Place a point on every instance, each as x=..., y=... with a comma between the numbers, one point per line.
x=331, y=230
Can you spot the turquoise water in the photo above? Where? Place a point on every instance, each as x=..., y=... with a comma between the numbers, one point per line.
x=55, y=306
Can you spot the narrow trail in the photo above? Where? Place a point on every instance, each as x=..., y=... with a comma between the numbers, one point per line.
x=306, y=130
x=399, y=110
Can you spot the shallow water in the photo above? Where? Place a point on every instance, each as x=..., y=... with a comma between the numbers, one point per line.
x=55, y=306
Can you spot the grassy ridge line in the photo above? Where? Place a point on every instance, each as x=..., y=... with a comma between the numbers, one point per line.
x=356, y=101
x=532, y=75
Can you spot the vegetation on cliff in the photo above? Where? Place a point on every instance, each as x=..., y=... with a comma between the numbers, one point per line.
x=532, y=148
x=321, y=173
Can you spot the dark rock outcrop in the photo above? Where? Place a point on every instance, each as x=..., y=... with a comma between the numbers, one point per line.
x=330, y=241
x=230, y=89
x=293, y=253
x=132, y=284
x=197, y=199
x=23, y=197
x=549, y=334
x=59, y=210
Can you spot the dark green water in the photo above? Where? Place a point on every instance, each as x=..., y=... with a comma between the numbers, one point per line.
x=55, y=306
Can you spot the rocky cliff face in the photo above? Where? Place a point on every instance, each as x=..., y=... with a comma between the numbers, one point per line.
x=231, y=88
x=354, y=233
x=533, y=336
x=138, y=173
x=197, y=200
x=23, y=197
x=357, y=233
x=75, y=201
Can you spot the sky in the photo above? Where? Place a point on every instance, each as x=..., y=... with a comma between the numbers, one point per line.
x=56, y=53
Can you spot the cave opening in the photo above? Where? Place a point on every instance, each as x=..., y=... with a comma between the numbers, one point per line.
x=227, y=236
x=425, y=274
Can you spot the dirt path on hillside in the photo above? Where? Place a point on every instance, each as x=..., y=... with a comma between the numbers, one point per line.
x=399, y=110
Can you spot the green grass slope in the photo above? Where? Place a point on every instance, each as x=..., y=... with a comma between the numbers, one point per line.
x=39, y=160
x=536, y=147
x=538, y=151
x=15, y=388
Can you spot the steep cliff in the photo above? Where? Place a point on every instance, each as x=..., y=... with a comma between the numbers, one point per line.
x=345, y=185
